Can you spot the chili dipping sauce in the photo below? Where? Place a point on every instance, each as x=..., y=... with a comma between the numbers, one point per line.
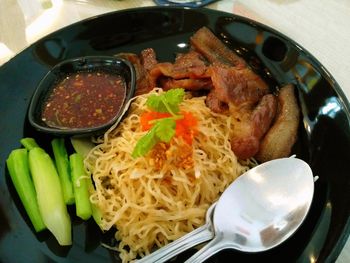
x=84, y=100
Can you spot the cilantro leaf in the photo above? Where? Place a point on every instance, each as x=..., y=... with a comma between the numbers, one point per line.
x=162, y=131
x=166, y=102
x=174, y=97
x=146, y=143
x=165, y=129
x=155, y=103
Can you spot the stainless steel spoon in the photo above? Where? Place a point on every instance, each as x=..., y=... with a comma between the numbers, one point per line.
x=261, y=209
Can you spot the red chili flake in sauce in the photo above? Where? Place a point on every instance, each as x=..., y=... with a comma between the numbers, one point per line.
x=84, y=100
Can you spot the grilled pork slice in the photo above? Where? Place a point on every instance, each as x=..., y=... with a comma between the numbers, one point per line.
x=143, y=64
x=282, y=135
x=240, y=87
x=186, y=65
x=214, y=50
x=249, y=126
x=215, y=104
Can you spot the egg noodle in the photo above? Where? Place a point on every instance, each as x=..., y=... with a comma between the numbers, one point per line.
x=155, y=199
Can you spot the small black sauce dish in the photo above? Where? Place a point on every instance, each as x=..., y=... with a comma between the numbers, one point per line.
x=87, y=66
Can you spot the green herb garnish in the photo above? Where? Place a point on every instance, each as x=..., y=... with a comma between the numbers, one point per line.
x=166, y=102
x=163, y=129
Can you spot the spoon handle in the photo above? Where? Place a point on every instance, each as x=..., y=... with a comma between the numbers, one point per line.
x=195, y=237
x=215, y=245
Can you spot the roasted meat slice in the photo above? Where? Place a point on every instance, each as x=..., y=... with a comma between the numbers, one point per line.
x=216, y=105
x=148, y=59
x=190, y=65
x=281, y=137
x=214, y=50
x=249, y=126
x=237, y=86
x=187, y=66
x=142, y=63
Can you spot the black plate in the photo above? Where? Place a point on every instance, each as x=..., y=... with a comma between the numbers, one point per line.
x=324, y=138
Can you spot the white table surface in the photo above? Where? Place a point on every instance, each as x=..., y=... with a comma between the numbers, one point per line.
x=322, y=27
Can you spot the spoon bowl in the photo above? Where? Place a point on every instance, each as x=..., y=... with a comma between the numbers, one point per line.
x=262, y=208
